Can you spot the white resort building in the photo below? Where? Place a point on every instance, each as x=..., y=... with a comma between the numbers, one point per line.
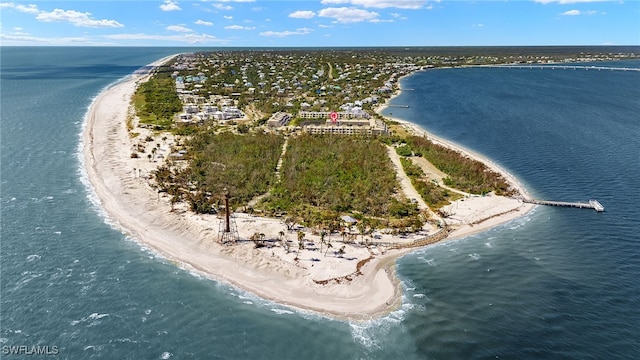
x=198, y=109
x=355, y=113
x=349, y=127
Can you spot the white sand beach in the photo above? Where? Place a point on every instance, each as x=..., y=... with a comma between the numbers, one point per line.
x=348, y=280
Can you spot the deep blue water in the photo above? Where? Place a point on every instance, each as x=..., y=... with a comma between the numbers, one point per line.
x=556, y=284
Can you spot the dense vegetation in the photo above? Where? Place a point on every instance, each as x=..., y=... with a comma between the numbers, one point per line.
x=465, y=174
x=340, y=173
x=243, y=164
x=156, y=100
x=323, y=177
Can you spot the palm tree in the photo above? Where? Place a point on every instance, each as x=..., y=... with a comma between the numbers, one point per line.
x=283, y=241
x=255, y=238
x=329, y=246
x=322, y=236
x=362, y=227
x=289, y=222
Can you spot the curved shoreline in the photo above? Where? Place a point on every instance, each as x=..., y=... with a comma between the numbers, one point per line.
x=188, y=239
x=494, y=220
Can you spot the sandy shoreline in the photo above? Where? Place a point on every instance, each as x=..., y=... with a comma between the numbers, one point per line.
x=360, y=285
x=469, y=216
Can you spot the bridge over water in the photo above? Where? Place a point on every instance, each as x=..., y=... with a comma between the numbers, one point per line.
x=560, y=67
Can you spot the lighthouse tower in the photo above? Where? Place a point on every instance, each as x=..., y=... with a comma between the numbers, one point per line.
x=228, y=230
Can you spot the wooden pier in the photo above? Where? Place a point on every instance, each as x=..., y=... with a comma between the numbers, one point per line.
x=398, y=106
x=592, y=204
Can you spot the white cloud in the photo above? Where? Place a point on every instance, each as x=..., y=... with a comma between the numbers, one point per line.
x=239, y=27
x=302, y=14
x=76, y=18
x=18, y=37
x=228, y=17
x=179, y=28
x=398, y=16
x=222, y=7
x=80, y=19
x=578, y=12
x=564, y=2
x=345, y=15
x=169, y=5
x=381, y=4
x=26, y=39
x=202, y=22
x=30, y=9
x=300, y=31
x=185, y=38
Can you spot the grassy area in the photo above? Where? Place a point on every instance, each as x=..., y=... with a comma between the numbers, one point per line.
x=465, y=174
x=434, y=195
x=398, y=130
x=156, y=101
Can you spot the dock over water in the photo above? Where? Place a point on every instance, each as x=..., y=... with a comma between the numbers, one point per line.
x=592, y=204
x=398, y=106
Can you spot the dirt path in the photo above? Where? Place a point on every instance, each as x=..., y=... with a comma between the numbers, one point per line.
x=434, y=173
x=257, y=199
x=281, y=159
x=405, y=183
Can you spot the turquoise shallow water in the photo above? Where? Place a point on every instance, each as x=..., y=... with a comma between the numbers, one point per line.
x=558, y=283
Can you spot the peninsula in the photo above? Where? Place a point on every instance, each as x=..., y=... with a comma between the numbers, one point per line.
x=169, y=182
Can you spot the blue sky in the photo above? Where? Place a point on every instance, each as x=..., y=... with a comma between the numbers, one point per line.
x=247, y=23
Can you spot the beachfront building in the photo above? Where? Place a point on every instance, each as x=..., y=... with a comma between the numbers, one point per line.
x=198, y=108
x=354, y=113
x=349, y=127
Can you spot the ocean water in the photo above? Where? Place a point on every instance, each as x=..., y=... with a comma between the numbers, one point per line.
x=556, y=284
